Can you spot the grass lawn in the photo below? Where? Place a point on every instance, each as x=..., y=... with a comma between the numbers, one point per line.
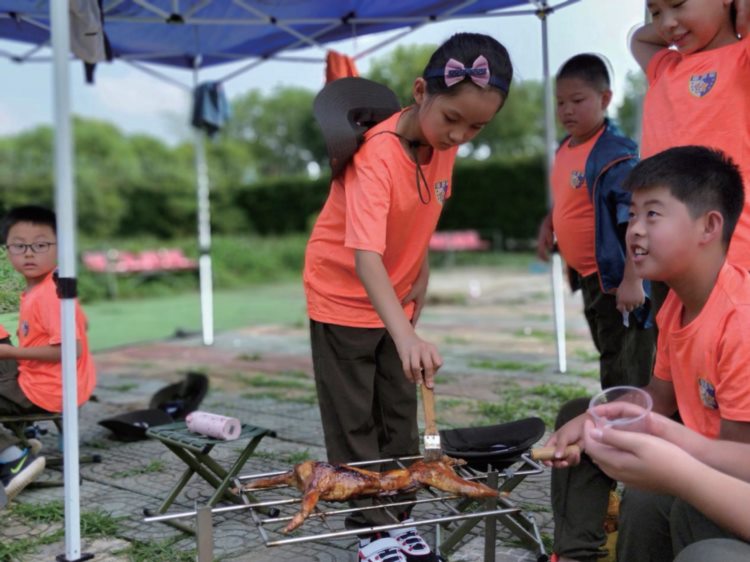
x=115, y=323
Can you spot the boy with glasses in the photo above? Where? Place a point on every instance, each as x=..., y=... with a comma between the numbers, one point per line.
x=31, y=374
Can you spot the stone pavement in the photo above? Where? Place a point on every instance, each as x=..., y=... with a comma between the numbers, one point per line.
x=493, y=327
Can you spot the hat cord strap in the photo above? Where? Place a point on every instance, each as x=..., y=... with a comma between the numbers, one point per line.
x=419, y=174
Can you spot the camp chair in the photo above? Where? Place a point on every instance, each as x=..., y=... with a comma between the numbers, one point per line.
x=26, y=426
x=500, y=452
x=195, y=451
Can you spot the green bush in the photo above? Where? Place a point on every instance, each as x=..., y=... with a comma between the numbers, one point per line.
x=281, y=206
x=11, y=285
x=503, y=199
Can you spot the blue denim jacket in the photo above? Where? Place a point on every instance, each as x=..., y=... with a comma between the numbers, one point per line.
x=610, y=161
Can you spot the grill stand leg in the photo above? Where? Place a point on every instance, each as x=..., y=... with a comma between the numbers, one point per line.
x=204, y=533
x=490, y=529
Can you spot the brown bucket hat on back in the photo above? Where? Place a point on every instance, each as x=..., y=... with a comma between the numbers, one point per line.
x=345, y=109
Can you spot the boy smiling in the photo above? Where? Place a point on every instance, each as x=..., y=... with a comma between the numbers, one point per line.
x=686, y=202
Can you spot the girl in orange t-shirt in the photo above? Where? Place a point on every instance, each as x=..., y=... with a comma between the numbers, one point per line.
x=366, y=267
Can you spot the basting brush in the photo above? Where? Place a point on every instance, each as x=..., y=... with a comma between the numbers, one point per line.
x=432, y=449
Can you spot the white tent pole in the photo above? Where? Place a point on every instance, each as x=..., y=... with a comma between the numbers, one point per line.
x=65, y=205
x=556, y=271
x=204, y=234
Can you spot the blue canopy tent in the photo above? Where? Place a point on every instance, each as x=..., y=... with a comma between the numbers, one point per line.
x=195, y=34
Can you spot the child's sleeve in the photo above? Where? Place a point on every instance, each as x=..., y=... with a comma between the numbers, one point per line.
x=659, y=62
x=662, y=364
x=733, y=369
x=48, y=319
x=618, y=200
x=368, y=196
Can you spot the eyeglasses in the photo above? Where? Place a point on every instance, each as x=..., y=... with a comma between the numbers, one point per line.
x=36, y=247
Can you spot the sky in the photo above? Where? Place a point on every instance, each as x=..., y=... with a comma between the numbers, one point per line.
x=137, y=102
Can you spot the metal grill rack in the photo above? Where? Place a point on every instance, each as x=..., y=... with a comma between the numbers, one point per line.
x=452, y=516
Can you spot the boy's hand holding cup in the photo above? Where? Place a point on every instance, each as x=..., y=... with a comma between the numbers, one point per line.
x=621, y=407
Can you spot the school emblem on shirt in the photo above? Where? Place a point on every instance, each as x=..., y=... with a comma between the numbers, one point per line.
x=701, y=84
x=25, y=328
x=441, y=188
x=707, y=393
x=576, y=179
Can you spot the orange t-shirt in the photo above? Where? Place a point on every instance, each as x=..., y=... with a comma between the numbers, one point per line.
x=572, y=211
x=707, y=360
x=3, y=332
x=703, y=99
x=375, y=206
x=39, y=324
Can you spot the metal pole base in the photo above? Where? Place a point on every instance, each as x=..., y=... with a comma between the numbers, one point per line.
x=84, y=556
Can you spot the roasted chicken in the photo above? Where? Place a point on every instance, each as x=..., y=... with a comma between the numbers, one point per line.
x=323, y=481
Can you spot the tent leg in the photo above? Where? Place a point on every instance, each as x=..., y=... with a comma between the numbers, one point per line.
x=559, y=311
x=204, y=240
x=549, y=136
x=66, y=227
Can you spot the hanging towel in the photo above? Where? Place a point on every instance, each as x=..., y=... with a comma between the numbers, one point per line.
x=87, y=38
x=210, y=107
x=338, y=66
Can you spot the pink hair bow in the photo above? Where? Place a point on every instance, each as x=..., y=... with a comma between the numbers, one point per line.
x=479, y=72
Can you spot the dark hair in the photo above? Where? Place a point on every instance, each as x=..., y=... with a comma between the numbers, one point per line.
x=465, y=48
x=702, y=178
x=28, y=213
x=588, y=67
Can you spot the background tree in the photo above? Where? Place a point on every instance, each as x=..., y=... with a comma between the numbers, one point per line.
x=518, y=130
x=629, y=111
x=104, y=162
x=161, y=197
x=26, y=168
x=399, y=68
x=279, y=131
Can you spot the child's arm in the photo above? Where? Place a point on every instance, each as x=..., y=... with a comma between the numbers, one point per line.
x=735, y=431
x=418, y=291
x=420, y=359
x=546, y=238
x=46, y=353
x=630, y=294
x=662, y=393
x=648, y=462
x=645, y=43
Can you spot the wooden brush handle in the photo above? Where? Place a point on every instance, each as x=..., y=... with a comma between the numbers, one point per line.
x=428, y=401
x=546, y=453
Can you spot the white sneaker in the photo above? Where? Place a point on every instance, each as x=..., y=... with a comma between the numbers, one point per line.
x=386, y=549
x=18, y=474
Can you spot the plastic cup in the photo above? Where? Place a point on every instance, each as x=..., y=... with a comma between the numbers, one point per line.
x=634, y=405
